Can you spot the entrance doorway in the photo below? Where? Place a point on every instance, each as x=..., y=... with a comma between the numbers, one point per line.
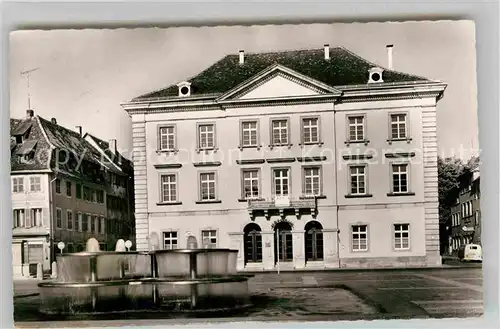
x=283, y=245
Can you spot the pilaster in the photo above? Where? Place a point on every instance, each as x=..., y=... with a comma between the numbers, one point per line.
x=299, y=259
x=330, y=248
x=267, y=250
x=236, y=243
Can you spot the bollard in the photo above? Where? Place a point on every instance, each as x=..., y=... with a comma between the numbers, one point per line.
x=39, y=271
x=54, y=270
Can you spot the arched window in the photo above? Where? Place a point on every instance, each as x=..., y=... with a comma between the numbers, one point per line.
x=283, y=246
x=314, y=241
x=253, y=243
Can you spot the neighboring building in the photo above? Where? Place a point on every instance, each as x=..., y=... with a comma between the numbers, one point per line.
x=119, y=192
x=297, y=159
x=466, y=213
x=58, y=192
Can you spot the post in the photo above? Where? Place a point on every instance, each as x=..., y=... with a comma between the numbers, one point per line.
x=278, y=248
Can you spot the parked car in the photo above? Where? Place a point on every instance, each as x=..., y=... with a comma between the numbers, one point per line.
x=470, y=252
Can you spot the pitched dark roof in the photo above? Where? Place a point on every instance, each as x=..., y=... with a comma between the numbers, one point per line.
x=343, y=68
x=104, y=146
x=41, y=148
x=13, y=124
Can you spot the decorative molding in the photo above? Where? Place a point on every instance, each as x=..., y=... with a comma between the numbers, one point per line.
x=280, y=160
x=401, y=194
x=357, y=196
x=250, y=161
x=392, y=140
x=169, y=203
x=168, y=166
x=246, y=200
x=357, y=156
x=311, y=159
x=208, y=201
x=364, y=141
x=306, y=197
x=207, y=164
x=400, y=155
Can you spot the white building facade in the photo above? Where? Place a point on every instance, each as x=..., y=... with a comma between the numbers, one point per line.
x=300, y=159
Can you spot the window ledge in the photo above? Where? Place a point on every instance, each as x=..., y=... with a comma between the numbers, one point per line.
x=308, y=197
x=208, y=201
x=206, y=150
x=271, y=146
x=174, y=151
x=250, y=199
x=401, y=194
x=168, y=203
x=354, y=196
x=407, y=139
x=363, y=141
x=320, y=143
x=241, y=147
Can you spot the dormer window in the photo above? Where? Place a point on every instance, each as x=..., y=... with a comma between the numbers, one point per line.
x=375, y=75
x=26, y=152
x=184, y=89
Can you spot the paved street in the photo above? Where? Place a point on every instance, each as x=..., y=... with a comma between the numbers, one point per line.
x=342, y=295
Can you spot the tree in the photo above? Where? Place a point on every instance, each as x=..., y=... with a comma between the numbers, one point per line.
x=449, y=169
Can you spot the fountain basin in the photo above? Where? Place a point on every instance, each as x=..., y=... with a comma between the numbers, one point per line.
x=144, y=295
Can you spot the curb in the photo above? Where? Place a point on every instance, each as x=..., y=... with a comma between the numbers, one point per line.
x=382, y=269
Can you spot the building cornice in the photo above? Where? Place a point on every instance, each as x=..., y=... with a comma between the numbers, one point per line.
x=349, y=94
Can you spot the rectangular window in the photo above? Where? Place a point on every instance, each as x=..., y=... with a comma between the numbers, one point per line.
x=279, y=132
x=167, y=138
x=36, y=216
x=359, y=237
x=281, y=179
x=207, y=186
x=206, y=136
x=68, y=188
x=78, y=222
x=18, y=218
x=58, y=186
x=398, y=126
x=58, y=218
x=358, y=180
x=249, y=131
x=356, y=128
x=93, y=195
x=310, y=130
x=169, y=240
x=400, y=178
x=312, y=181
x=102, y=225
x=92, y=223
x=209, y=238
x=78, y=191
x=86, y=193
x=401, y=236
x=250, y=183
x=69, y=218
x=85, y=222
x=18, y=184
x=169, y=188
x=35, y=184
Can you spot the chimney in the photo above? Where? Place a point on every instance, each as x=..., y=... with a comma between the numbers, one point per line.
x=79, y=130
x=389, y=56
x=112, y=145
x=242, y=57
x=53, y=120
x=29, y=114
x=327, y=51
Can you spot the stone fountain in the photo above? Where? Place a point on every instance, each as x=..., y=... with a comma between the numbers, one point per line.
x=184, y=280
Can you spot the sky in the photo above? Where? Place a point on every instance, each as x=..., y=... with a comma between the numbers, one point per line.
x=84, y=75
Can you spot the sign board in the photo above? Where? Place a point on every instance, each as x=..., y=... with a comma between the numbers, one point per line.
x=61, y=245
x=282, y=201
x=128, y=244
x=467, y=229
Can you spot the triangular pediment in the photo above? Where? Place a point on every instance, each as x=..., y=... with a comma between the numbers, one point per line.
x=277, y=81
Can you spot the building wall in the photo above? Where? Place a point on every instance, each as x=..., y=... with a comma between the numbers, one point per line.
x=36, y=235
x=76, y=236
x=418, y=209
